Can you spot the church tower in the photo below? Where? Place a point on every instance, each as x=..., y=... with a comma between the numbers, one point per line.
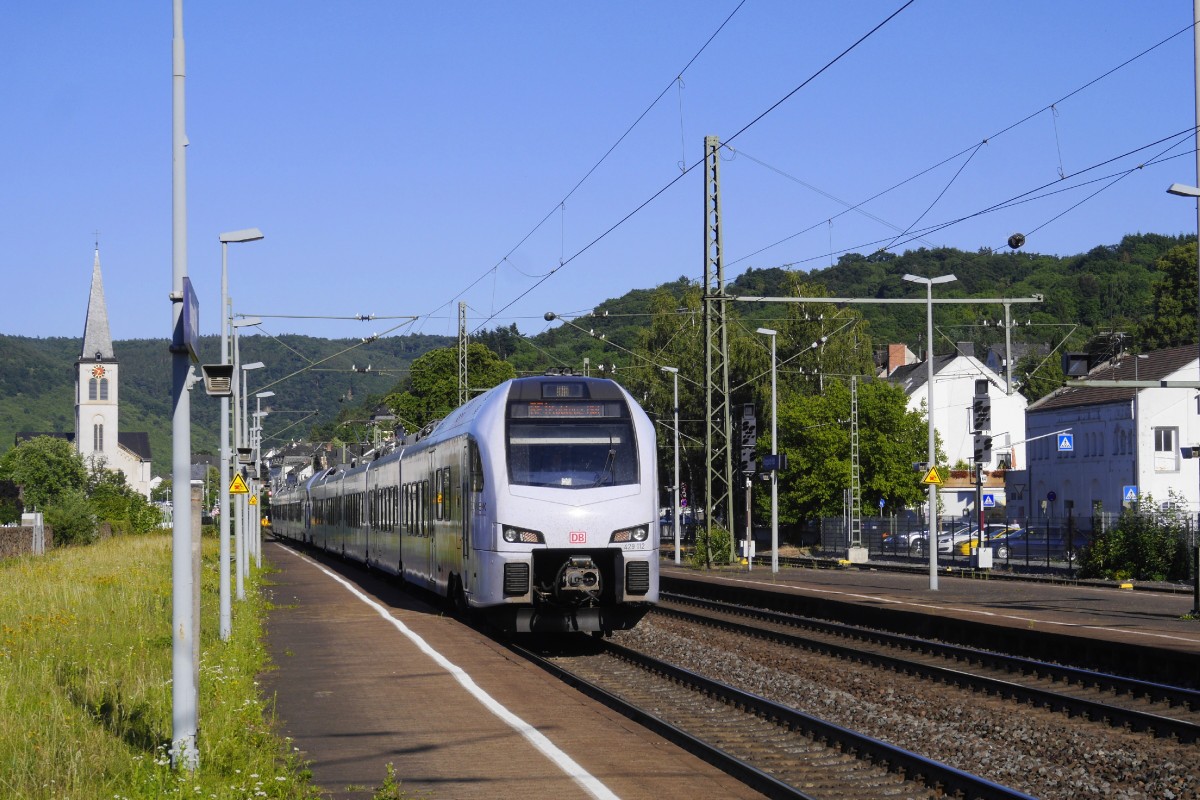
x=96, y=382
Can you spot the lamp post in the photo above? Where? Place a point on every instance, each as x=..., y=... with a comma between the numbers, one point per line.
x=256, y=542
x=774, y=452
x=185, y=697
x=247, y=235
x=1192, y=191
x=239, y=435
x=675, y=507
x=931, y=539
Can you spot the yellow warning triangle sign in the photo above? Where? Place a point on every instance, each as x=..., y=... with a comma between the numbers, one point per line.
x=932, y=477
x=238, y=486
x=253, y=499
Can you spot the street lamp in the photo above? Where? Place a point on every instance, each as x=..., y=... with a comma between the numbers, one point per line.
x=241, y=541
x=774, y=452
x=248, y=235
x=1191, y=191
x=931, y=539
x=256, y=542
x=675, y=506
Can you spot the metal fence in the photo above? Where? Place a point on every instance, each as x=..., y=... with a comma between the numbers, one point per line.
x=1050, y=543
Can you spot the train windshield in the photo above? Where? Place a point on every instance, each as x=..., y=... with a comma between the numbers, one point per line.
x=572, y=455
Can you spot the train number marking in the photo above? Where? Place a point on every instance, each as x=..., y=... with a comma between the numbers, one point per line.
x=578, y=537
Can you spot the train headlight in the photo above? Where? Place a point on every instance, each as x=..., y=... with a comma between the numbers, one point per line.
x=638, y=533
x=522, y=536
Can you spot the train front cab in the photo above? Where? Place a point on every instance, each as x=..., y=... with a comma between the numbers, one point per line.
x=570, y=544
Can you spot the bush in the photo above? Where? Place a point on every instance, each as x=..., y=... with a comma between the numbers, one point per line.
x=71, y=518
x=717, y=541
x=1144, y=546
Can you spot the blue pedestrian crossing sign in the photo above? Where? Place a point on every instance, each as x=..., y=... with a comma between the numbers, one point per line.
x=1066, y=442
x=1129, y=494
x=989, y=501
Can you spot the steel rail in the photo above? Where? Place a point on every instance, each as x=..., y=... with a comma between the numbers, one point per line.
x=1095, y=710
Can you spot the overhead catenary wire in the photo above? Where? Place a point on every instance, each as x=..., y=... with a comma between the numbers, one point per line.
x=973, y=147
x=697, y=163
x=557, y=206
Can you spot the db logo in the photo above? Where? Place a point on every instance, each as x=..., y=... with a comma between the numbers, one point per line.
x=578, y=537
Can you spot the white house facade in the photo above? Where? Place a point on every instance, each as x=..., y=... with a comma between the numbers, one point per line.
x=954, y=379
x=1094, y=449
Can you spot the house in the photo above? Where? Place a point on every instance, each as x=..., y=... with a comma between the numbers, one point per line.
x=1093, y=449
x=954, y=378
x=954, y=384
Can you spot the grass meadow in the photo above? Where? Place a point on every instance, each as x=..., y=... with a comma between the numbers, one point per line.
x=85, y=681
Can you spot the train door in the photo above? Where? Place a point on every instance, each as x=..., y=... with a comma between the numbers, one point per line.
x=475, y=516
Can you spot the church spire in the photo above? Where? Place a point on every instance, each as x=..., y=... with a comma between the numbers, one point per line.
x=97, y=342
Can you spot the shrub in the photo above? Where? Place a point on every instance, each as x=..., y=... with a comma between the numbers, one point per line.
x=71, y=518
x=1145, y=545
x=717, y=541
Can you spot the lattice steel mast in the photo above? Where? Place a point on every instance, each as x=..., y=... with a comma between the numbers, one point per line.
x=463, y=393
x=718, y=456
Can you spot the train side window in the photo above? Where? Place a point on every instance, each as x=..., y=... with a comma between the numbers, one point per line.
x=425, y=510
x=476, y=467
x=407, y=523
x=438, y=504
x=447, y=494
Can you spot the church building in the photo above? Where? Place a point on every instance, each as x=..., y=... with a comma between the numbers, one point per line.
x=97, y=436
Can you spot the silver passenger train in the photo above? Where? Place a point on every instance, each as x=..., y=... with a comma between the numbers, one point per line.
x=534, y=503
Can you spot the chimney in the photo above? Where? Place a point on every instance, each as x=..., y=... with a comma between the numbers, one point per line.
x=966, y=349
x=896, y=357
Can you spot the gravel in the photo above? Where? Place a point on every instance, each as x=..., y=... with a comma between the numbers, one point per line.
x=1040, y=752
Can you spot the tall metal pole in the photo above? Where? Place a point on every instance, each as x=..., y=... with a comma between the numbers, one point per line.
x=932, y=516
x=236, y=502
x=184, y=696
x=774, y=472
x=932, y=539
x=675, y=497
x=244, y=517
x=1196, y=87
x=226, y=614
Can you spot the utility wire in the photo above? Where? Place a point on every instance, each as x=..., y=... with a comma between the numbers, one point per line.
x=679, y=177
x=558, y=206
x=1001, y=132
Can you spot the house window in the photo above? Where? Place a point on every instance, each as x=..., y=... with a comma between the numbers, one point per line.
x=92, y=388
x=104, y=388
x=98, y=438
x=1166, y=457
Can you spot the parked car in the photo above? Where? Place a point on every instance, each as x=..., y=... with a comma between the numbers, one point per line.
x=992, y=533
x=1033, y=544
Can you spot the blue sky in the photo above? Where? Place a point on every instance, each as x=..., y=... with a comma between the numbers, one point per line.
x=400, y=157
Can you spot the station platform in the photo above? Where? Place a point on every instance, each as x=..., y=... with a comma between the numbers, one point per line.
x=1107, y=627
x=367, y=674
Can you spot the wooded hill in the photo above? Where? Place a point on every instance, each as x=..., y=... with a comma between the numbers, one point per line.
x=1110, y=288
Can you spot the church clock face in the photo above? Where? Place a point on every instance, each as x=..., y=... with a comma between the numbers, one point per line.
x=97, y=371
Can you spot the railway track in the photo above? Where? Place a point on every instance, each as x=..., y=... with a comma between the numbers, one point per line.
x=1158, y=709
x=775, y=749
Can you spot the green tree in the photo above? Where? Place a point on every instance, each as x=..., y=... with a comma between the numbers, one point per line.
x=1039, y=375
x=113, y=501
x=814, y=433
x=1172, y=320
x=44, y=467
x=432, y=387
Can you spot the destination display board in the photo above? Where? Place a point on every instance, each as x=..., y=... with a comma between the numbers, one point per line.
x=538, y=409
